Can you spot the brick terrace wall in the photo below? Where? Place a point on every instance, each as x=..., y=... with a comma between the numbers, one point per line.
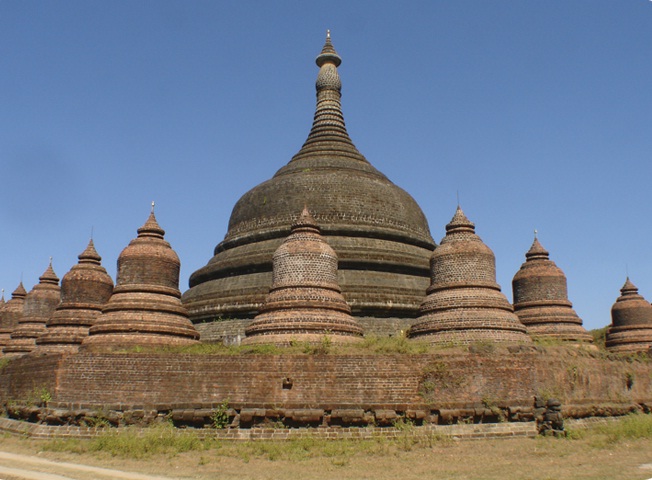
x=436, y=383
x=25, y=377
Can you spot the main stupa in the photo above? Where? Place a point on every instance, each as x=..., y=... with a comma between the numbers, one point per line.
x=378, y=231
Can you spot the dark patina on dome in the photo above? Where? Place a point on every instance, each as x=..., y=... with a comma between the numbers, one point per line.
x=380, y=234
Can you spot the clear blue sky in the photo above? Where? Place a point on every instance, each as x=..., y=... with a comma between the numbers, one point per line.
x=538, y=112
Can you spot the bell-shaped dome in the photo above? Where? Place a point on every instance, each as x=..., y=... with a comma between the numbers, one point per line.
x=84, y=291
x=631, y=322
x=145, y=307
x=379, y=232
x=12, y=312
x=39, y=306
x=541, y=299
x=464, y=302
x=305, y=302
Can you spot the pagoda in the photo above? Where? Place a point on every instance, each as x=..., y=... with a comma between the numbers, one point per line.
x=380, y=234
x=541, y=299
x=305, y=302
x=464, y=303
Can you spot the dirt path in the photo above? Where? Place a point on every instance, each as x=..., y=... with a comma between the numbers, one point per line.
x=26, y=467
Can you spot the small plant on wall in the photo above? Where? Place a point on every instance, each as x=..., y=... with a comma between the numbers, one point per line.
x=220, y=415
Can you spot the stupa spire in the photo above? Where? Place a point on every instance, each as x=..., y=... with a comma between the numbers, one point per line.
x=537, y=251
x=328, y=124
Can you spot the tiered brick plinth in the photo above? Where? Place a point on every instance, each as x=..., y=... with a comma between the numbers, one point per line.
x=84, y=291
x=145, y=308
x=39, y=306
x=464, y=303
x=305, y=302
x=11, y=314
x=541, y=299
x=379, y=232
x=631, y=322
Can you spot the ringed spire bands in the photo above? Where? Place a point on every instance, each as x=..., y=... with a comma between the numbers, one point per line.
x=380, y=234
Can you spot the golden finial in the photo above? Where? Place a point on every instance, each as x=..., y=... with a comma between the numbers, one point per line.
x=535, y=233
x=328, y=34
x=153, y=204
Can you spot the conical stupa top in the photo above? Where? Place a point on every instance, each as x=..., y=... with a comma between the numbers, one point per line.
x=328, y=124
x=49, y=276
x=90, y=255
x=151, y=227
x=328, y=53
x=305, y=221
x=629, y=288
x=460, y=223
x=537, y=251
x=20, y=291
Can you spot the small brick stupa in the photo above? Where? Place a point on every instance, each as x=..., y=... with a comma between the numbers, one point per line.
x=305, y=302
x=39, y=306
x=145, y=308
x=4, y=332
x=12, y=312
x=541, y=299
x=464, y=303
x=631, y=322
x=84, y=291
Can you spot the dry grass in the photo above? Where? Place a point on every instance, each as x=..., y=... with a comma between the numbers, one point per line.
x=614, y=451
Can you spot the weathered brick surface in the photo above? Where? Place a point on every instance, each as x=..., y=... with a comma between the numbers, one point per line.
x=330, y=389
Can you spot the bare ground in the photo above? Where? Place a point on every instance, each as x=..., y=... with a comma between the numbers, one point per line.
x=535, y=459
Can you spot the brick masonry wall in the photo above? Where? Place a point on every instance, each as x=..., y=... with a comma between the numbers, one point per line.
x=439, y=388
